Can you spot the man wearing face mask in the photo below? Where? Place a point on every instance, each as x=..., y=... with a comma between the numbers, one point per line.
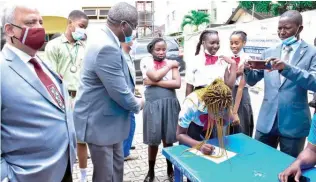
x=65, y=55
x=37, y=130
x=284, y=117
x=105, y=98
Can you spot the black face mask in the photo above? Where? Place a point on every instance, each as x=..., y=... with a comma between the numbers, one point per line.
x=158, y=58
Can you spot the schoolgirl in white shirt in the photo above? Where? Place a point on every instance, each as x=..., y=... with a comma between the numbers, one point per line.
x=242, y=106
x=206, y=66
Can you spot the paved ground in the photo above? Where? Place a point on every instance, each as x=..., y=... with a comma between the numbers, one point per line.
x=136, y=170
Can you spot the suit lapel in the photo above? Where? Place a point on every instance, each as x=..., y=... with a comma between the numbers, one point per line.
x=299, y=53
x=110, y=34
x=276, y=54
x=19, y=67
x=301, y=50
x=125, y=64
x=130, y=65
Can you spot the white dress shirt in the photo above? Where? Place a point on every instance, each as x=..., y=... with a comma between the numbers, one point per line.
x=198, y=74
x=243, y=58
x=26, y=59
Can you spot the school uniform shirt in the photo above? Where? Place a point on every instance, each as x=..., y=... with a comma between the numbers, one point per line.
x=193, y=110
x=61, y=55
x=204, y=69
x=148, y=63
x=240, y=59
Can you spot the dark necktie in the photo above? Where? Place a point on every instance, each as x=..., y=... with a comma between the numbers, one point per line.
x=49, y=84
x=210, y=59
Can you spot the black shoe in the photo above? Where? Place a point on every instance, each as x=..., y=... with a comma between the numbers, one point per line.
x=149, y=178
x=171, y=177
x=133, y=147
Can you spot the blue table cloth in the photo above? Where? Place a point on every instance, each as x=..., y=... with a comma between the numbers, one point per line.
x=253, y=162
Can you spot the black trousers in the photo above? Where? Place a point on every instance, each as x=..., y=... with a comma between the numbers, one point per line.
x=67, y=176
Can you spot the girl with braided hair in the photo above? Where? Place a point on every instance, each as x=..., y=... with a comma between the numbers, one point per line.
x=206, y=66
x=161, y=109
x=207, y=111
x=242, y=104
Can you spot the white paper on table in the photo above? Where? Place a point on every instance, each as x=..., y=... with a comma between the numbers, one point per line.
x=215, y=153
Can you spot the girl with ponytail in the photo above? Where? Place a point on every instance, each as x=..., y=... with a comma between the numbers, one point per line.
x=207, y=66
x=242, y=105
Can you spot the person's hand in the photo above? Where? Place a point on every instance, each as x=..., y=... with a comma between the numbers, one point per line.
x=137, y=93
x=247, y=65
x=293, y=170
x=240, y=70
x=173, y=64
x=141, y=102
x=148, y=82
x=236, y=120
x=227, y=59
x=276, y=64
x=207, y=149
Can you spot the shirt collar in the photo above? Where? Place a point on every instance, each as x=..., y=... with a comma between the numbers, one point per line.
x=22, y=55
x=241, y=52
x=116, y=38
x=294, y=45
x=65, y=40
x=207, y=53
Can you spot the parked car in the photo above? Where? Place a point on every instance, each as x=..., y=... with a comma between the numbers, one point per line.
x=174, y=52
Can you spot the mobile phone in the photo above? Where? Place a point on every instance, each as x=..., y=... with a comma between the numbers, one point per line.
x=260, y=64
x=302, y=179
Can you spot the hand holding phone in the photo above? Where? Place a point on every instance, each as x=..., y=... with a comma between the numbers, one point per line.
x=302, y=179
x=261, y=64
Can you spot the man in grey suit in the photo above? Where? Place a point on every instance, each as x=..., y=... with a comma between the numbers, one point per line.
x=105, y=98
x=37, y=131
x=284, y=117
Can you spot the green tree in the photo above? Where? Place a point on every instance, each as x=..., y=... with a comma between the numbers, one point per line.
x=195, y=18
x=278, y=7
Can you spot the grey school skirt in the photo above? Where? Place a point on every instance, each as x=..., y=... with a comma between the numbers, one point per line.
x=160, y=115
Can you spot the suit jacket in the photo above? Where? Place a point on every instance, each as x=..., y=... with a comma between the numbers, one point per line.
x=37, y=137
x=104, y=97
x=288, y=100
x=131, y=67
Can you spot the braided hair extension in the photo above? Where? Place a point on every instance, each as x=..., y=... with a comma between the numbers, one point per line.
x=152, y=43
x=218, y=100
x=202, y=38
x=242, y=34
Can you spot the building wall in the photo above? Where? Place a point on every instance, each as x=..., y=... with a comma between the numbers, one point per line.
x=245, y=17
x=222, y=10
x=219, y=12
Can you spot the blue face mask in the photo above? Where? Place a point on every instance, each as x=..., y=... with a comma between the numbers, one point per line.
x=128, y=39
x=79, y=34
x=290, y=40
